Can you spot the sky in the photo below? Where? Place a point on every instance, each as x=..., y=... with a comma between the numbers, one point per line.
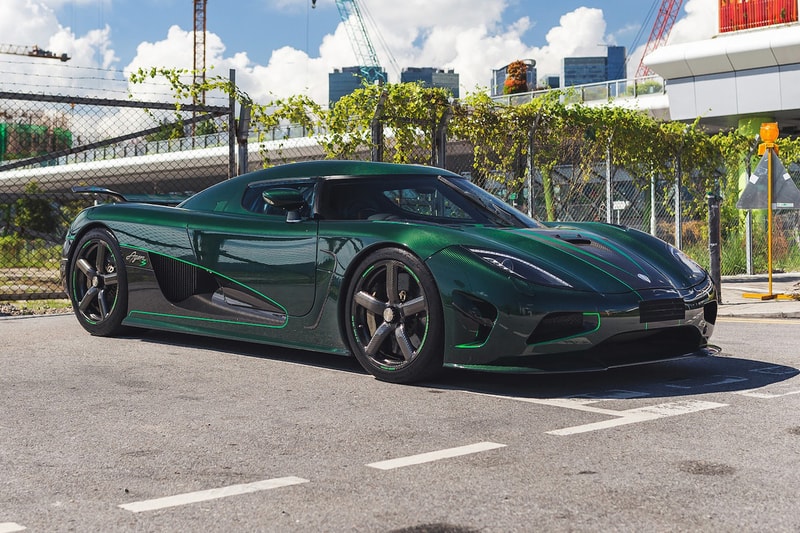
x=281, y=48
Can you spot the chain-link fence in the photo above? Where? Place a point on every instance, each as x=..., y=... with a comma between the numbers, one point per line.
x=49, y=144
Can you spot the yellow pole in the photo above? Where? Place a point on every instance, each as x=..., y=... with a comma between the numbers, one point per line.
x=769, y=134
x=769, y=217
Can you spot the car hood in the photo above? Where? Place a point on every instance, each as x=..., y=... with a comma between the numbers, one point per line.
x=598, y=257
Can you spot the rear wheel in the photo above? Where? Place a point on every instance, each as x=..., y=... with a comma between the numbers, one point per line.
x=393, y=316
x=98, y=283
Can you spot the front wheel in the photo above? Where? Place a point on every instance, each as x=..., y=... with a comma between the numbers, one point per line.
x=98, y=286
x=393, y=317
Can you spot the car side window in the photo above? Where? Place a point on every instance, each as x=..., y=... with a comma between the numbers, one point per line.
x=253, y=199
x=426, y=201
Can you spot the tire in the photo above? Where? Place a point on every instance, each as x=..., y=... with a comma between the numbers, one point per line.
x=98, y=283
x=393, y=317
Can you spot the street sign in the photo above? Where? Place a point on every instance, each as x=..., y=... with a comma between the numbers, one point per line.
x=785, y=194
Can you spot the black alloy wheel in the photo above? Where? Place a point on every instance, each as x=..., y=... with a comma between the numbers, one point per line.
x=393, y=317
x=98, y=283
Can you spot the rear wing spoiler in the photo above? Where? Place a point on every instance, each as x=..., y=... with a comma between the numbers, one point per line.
x=158, y=199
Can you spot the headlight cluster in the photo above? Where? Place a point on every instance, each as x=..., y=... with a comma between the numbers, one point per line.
x=520, y=268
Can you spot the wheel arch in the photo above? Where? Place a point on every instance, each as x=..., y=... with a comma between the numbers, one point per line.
x=79, y=235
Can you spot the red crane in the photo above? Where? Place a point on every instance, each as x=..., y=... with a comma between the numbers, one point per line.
x=665, y=19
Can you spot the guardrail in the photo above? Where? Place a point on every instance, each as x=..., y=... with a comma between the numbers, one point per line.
x=594, y=92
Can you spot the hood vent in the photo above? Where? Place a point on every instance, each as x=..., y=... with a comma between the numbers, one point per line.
x=597, y=248
x=578, y=241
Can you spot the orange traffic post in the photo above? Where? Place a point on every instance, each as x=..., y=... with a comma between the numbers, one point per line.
x=769, y=134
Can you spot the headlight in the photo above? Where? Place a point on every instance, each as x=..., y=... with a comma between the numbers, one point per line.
x=520, y=268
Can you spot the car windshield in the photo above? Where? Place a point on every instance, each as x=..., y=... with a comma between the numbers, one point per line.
x=446, y=200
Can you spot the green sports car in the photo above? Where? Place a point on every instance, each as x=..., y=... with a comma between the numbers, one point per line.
x=408, y=268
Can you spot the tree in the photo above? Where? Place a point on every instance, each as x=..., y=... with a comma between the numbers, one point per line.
x=33, y=214
x=516, y=78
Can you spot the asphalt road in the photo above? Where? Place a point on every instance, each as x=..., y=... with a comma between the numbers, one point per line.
x=164, y=432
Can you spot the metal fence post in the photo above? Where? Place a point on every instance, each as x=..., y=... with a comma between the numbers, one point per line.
x=714, y=240
x=242, y=133
x=377, y=129
x=440, y=139
x=678, y=226
x=232, y=125
x=653, y=221
x=609, y=195
x=529, y=170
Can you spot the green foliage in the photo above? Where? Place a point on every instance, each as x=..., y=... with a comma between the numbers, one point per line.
x=17, y=252
x=510, y=140
x=168, y=130
x=32, y=214
x=410, y=110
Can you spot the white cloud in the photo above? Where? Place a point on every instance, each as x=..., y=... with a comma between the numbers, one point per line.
x=699, y=22
x=30, y=23
x=468, y=36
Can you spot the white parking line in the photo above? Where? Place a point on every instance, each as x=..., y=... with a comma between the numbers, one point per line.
x=641, y=414
x=11, y=527
x=211, y=494
x=753, y=393
x=435, y=456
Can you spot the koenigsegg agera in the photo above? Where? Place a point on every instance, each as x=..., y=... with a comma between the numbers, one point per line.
x=408, y=268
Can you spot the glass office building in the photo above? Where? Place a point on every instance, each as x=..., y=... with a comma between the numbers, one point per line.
x=432, y=77
x=583, y=70
x=346, y=80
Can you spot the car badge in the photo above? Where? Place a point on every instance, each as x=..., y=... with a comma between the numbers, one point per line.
x=644, y=278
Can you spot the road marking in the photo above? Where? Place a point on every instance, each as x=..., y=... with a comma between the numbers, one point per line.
x=211, y=494
x=753, y=393
x=699, y=383
x=613, y=394
x=575, y=403
x=435, y=456
x=641, y=414
x=785, y=321
x=776, y=370
x=11, y=527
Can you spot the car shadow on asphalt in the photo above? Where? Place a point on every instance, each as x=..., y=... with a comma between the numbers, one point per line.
x=684, y=377
x=342, y=363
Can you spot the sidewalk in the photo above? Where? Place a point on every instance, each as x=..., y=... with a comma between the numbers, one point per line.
x=734, y=304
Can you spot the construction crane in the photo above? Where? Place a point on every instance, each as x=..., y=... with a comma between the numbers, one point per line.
x=199, y=71
x=662, y=27
x=31, y=51
x=350, y=14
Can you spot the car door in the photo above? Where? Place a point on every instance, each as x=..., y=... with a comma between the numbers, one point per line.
x=260, y=259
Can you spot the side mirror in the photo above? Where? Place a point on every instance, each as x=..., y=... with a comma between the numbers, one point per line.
x=285, y=198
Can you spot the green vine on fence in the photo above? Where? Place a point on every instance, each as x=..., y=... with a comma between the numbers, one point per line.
x=510, y=140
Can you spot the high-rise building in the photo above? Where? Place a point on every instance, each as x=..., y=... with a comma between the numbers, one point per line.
x=551, y=81
x=582, y=70
x=344, y=81
x=432, y=77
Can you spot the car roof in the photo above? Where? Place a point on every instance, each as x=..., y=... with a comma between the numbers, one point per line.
x=331, y=168
x=230, y=189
